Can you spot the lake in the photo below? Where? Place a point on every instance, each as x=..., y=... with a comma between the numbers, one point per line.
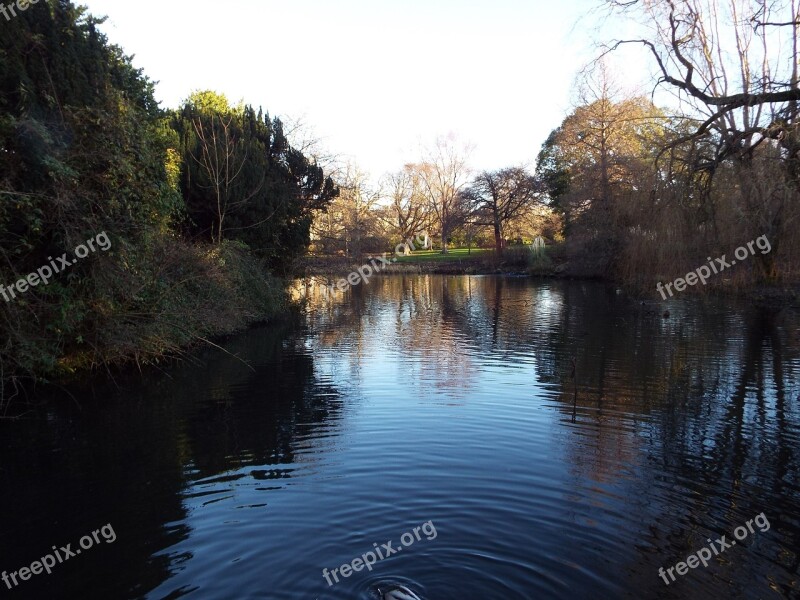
x=547, y=439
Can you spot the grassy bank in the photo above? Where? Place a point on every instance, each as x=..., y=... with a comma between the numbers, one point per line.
x=453, y=255
x=191, y=294
x=555, y=262
x=458, y=261
x=132, y=308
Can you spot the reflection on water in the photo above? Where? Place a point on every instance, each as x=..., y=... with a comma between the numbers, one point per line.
x=567, y=442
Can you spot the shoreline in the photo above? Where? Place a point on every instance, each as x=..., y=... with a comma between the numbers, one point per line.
x=784, y=292
x=127, y=365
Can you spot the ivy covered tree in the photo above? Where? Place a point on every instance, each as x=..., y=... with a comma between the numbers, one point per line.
x=553, y=175
x=83, y=150
x=82, y=146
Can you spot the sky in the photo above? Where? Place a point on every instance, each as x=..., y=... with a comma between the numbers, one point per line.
x=375, y=80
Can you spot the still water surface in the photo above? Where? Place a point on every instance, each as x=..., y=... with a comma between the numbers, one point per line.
x=430, y=398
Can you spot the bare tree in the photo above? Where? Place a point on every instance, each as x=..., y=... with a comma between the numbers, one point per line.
x=499, y=196
x=303, y=137
x=350, y=222
x=407, y=209
x=444, y=174
x=222, y=158
x=747, y=95
x=733, y=66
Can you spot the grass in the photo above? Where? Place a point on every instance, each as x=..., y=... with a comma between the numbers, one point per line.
x=453, y=254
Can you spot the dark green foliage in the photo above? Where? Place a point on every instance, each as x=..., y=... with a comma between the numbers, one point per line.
x=552, y=171
x=81, y=146
x=85, y=149
x=82, y=151
x=242, y=180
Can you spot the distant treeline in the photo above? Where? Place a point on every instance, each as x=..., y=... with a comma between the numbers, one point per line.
x=637, y=192
x=198, y=202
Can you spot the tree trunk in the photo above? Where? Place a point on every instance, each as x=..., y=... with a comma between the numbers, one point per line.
x=498, y=238
x=769, y=273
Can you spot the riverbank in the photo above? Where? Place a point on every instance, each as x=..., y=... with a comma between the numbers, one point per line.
x=136, y=314
x=518, y=261
x=459, y=261
x=195, y=295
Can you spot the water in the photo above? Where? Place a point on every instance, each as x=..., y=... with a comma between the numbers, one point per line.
x=446, y=401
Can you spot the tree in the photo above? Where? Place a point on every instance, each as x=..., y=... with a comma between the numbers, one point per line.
x=242, y=179
x=358, y=200
x=220, y=154
x=499, y=196
x=553, y=174
x=83, y=149
x=598, y=166
x=747, y=96
x=407, y=209
x=303, y=137
x=733, y=67
x=588, y=162
x=350, y=225
x=444, y=174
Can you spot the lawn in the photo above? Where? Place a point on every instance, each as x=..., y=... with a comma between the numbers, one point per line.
x=436, y=255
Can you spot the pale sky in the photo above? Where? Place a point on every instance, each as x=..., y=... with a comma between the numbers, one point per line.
x=373, y=78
